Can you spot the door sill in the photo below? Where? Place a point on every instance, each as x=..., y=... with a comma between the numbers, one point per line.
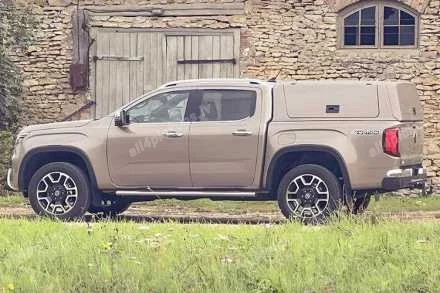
x=188, y=193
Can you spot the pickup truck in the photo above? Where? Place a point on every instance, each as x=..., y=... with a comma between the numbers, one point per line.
x=314, y=146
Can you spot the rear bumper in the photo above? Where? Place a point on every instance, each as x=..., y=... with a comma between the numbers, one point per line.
x=404, y=178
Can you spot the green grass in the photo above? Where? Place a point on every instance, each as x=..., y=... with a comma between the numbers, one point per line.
x=12, y=200
x=345, y=256
x=396, y=204
x=386, y=204
x=207, y=205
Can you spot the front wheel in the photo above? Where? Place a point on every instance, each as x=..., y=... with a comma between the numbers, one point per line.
x=309, y=193
x=59, y=190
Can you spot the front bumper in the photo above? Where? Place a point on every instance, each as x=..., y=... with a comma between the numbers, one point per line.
x=404, y=178
x=9, y=181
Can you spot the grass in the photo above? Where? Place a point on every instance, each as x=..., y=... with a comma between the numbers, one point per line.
x=396, y=204
x=345, y=256
x=386, y=204
x=11, y=200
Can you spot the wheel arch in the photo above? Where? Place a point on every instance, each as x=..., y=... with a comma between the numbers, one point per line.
x=38, y=157
x=304, y=154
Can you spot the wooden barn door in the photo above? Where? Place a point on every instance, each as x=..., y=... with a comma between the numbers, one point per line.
x=131, y=63
x=201, y=56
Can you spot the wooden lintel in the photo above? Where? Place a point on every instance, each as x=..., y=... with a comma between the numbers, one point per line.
x=203, y=9
x=118, y=58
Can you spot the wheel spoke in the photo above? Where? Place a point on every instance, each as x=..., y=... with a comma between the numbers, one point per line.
x=57, y=193
x=297, y=203
x=307, y=196
x=315, y=181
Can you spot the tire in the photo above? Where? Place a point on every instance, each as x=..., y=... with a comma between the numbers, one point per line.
x=60, y=190
x=314, y=194
x=110, y=208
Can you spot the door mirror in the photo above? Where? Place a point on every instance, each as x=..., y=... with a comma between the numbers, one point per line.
x=122, y=118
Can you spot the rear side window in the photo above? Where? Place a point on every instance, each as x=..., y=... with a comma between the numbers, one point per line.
x=226, y=105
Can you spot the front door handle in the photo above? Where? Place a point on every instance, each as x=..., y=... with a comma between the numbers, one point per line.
x=242, y=132
x=173, y=134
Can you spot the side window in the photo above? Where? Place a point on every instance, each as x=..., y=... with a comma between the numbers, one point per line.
x=164, y=107
x=227, y=105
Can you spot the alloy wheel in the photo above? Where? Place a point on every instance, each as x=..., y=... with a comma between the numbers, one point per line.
x=307, y=196
x=57, y=193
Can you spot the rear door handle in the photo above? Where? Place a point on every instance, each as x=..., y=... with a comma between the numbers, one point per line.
x=173, y=134
x=242, y=132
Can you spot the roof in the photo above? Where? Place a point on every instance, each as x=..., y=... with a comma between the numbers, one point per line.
x=246, y=81
x=220, y=81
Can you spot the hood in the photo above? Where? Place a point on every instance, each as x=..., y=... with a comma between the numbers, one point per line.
x=56, y=125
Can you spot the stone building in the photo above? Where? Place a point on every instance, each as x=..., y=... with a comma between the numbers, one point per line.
x=110, y=51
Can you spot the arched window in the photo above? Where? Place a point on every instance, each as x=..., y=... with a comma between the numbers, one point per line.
x=378, y=24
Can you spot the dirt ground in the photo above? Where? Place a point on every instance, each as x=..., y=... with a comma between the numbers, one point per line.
x=145, y=213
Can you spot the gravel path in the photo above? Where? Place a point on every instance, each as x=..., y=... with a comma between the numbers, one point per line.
x=143, y=213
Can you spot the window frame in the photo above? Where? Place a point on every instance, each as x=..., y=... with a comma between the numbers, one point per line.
x=154, y=94
x=380, y=5
x=200, y=91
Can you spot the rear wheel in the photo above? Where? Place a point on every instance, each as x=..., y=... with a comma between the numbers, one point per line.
x=59, y=190
x=309, y=193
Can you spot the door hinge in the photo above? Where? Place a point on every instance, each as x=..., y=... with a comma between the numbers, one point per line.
x=207, y=61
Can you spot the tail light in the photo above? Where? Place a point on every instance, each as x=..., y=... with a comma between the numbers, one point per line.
x=391, y=142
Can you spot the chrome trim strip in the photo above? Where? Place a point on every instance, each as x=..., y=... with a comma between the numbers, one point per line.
x=405, y=172
x=400, y=173
x=187, y=193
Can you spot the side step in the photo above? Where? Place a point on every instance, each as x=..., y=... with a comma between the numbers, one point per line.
x=188, y=193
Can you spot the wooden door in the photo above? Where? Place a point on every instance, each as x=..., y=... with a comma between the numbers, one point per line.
x=200, y=56
x=129, y=63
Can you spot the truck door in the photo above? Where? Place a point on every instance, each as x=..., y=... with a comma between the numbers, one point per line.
x=224, y=137
x=153, y=149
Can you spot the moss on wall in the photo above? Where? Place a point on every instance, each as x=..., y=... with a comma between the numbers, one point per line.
x=6, y=145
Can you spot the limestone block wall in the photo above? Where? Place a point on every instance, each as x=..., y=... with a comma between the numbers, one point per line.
x=298, y=37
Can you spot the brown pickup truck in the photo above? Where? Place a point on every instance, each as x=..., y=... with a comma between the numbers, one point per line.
x=312, y=145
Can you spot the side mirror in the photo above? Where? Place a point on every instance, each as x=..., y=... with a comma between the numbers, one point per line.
x=122, y=118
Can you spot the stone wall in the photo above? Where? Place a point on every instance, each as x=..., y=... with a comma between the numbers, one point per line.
x=298, y=37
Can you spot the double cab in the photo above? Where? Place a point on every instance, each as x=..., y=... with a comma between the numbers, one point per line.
x=314, y=146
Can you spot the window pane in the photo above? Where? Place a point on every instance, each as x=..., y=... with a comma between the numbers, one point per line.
x=368, y=35
x=166, y=107
x=352, y=19
x=368, y=16
x=351, y=36
x=406, y=18
x=391, y=36
x=227, y=105
x=391, y=16
x=407, y=35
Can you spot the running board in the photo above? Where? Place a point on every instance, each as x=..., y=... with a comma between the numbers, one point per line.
x=188, y=193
